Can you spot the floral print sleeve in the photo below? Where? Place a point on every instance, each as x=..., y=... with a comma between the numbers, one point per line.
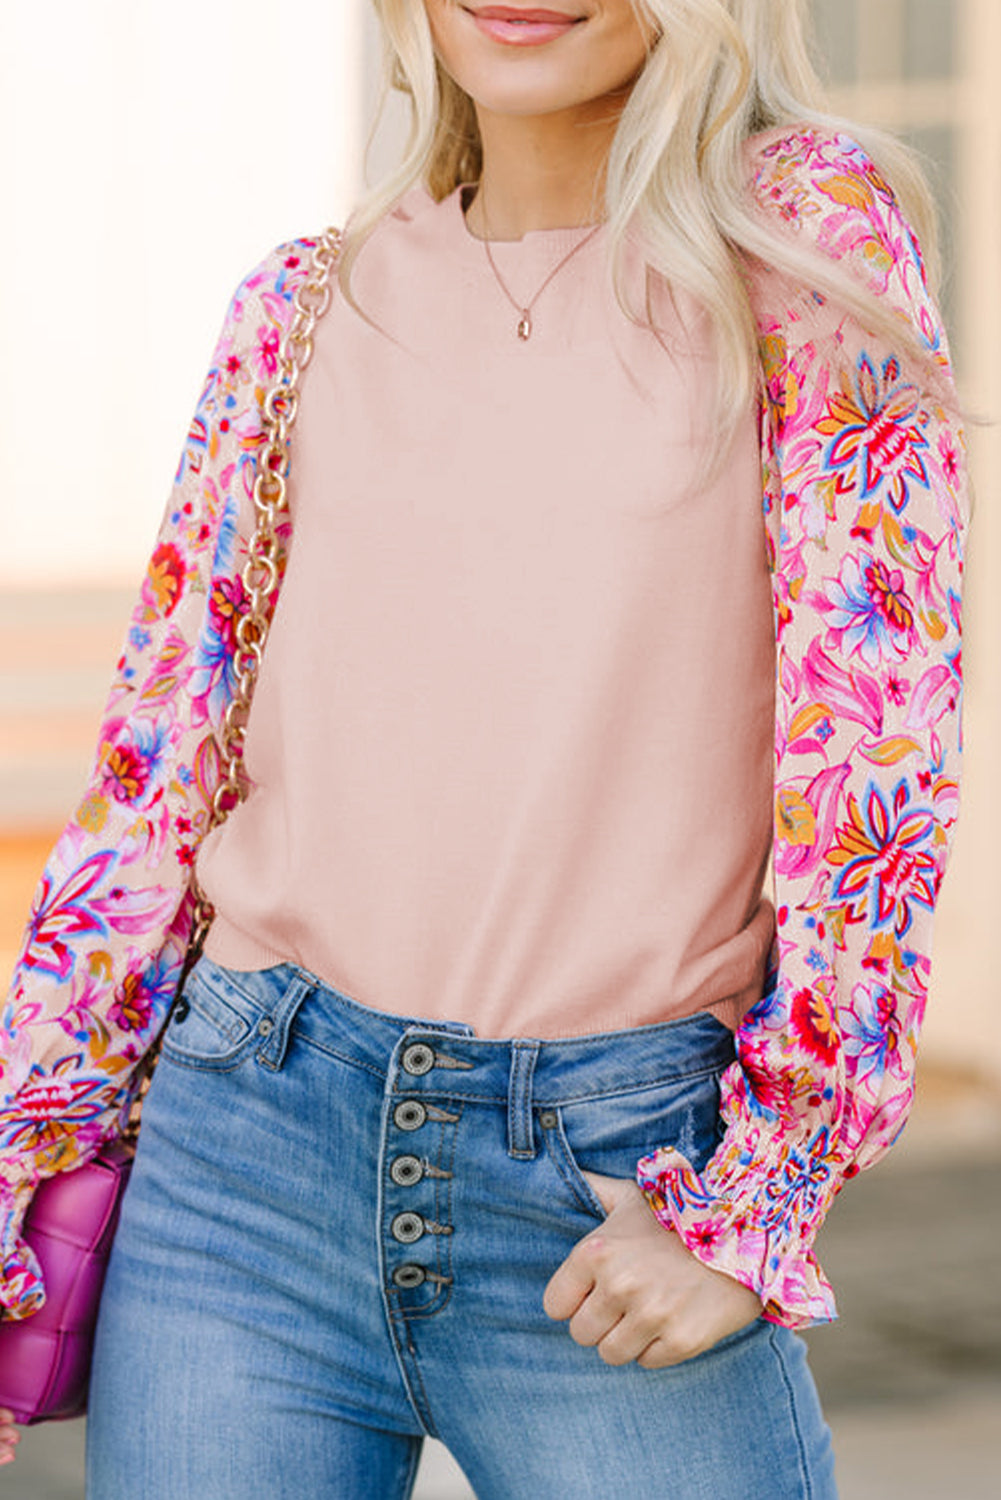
x=109, y=925
x=866, y=509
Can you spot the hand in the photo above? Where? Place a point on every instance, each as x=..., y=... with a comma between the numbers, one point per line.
x=632, y=1288
x=9, y=1436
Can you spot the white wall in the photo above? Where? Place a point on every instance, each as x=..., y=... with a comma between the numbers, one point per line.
x=150, y=154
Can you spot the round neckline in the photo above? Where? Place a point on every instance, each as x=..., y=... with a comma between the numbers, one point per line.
x=559, y=238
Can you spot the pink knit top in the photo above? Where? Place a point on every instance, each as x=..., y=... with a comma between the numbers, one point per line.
x=512, y=743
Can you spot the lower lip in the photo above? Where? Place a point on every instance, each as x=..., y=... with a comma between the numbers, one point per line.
x=523, y=33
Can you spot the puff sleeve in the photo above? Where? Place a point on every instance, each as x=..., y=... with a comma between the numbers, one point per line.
x=865, y=499
x=108, y=929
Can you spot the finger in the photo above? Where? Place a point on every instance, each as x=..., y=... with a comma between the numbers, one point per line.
x=572, y=1281
x=625, y=1342
x=663, y=1352
x=597, y=1315
x=593, y=1323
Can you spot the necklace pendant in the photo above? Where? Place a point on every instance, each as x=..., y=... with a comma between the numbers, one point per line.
x=525, y=326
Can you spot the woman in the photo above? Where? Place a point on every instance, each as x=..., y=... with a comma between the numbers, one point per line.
x=626, y=506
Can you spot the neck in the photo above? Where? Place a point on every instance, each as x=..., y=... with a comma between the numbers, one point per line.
x=543, y=171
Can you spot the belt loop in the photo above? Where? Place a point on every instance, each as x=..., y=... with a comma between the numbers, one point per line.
x=520, y=1137
x=273, y=1029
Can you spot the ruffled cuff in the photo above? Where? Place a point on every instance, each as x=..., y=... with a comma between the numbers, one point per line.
x=753, y=1214
x=22, y=1291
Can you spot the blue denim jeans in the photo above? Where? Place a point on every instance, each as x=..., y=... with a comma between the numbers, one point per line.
x=336, y=1239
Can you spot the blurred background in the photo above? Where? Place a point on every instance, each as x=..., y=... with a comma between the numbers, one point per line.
x=136, y=193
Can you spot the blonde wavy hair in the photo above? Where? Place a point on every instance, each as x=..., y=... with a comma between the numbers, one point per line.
x=720, y=72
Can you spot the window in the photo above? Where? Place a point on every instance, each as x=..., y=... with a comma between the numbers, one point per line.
x=893, y=63
x=929, y=38
x=835, y=24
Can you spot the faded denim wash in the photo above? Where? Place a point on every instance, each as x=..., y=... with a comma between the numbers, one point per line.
x=336, y=1239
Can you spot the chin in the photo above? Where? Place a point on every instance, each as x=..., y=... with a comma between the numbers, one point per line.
x=535, y=87
x=578, y=71
x=523, y=96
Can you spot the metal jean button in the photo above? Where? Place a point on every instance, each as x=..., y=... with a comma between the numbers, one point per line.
x=409, y=1114
x=406, y=1170
x=409, y=1275
x=265, y=1026
x=406, y=1228
x=418, y=1059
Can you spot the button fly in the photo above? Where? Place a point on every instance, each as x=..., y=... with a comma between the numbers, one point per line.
x=418, y=1059
x=410, y=1114
x=406, y=1170
x=406, y=1228
x=409, y=1275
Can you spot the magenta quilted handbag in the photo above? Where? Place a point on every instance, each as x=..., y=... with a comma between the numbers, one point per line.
x=70, y=1224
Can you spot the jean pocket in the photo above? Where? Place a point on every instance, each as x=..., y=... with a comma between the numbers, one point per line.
x=563, y=1159
x=217, y=1026
x=609, y=1134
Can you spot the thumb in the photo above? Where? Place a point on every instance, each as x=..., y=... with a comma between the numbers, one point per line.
x=611, y=1191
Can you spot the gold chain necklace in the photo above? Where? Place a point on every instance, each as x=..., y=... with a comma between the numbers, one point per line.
x=524, y=329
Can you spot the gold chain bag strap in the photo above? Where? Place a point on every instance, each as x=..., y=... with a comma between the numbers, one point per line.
x=45, y=1359
x=260, y=579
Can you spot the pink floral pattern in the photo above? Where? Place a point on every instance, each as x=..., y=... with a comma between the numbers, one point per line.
x=107, y=932
x=866, y=509
x=864, y=503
